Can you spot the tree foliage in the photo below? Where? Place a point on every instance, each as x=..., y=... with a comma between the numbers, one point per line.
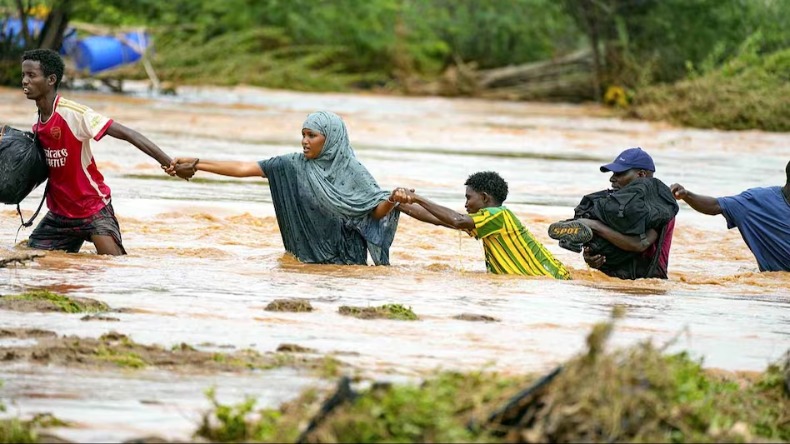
x=341, y=44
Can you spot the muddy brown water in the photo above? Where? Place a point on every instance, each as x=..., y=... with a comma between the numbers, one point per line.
x=206, y=256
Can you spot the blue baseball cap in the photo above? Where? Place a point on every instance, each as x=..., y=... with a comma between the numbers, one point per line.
x=628, y=159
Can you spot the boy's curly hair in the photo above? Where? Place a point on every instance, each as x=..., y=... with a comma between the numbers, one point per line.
x=488, y=182
x=50, y=61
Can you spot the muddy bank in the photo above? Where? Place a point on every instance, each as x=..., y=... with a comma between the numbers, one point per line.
x=116, y=350
x=46, y=301
x=292, y=305
x=10, y=258
x=387, y=311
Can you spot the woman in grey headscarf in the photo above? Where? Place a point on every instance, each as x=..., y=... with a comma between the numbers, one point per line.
x=329, y=208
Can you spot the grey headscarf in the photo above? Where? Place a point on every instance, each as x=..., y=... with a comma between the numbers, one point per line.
x=337, y=178
x=323, y=205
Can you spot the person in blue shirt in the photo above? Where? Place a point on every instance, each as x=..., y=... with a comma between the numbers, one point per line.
x=762, y=215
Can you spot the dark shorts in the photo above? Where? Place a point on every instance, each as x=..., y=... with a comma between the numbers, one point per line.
x=56, y=232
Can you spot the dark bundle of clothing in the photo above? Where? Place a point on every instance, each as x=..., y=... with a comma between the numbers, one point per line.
x=22, y=164
x=644, y=204
x=23, y=167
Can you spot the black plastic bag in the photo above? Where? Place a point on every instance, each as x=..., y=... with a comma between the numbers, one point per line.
x=23, y=166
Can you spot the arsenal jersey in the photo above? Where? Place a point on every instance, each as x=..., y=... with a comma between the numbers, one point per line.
x=76, y=187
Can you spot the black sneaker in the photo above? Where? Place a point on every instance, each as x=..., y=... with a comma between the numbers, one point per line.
x=571, y=231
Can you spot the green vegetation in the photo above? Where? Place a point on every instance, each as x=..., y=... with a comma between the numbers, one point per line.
x=120, y=358
x=17, y=431
x=115, y=350
x=637, y=49
x=386, y=311
x=749, y=91
x=638, y=394
x=45, y=300
x=13, y=430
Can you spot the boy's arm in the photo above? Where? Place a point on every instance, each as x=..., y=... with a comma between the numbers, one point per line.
x=141, y=142
x=421, y=214
x=444, y=215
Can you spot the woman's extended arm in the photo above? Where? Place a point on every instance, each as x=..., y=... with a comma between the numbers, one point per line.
x=383, y=209
x=221, y=167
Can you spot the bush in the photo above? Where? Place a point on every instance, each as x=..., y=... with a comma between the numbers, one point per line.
x=750, y=91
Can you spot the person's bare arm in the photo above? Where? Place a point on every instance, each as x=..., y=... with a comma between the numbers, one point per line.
x=221, y=167
x=140, y=141
x=703, y=204
x=421, y=214
x=444, y=215
x=620, y=240
x=383, y=209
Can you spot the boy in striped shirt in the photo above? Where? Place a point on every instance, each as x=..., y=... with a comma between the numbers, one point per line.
x=509, y=247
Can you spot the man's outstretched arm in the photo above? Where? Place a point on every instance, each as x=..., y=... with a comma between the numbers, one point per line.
x=703, y=204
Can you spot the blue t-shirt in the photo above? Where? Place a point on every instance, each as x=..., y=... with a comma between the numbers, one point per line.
x=763, y=217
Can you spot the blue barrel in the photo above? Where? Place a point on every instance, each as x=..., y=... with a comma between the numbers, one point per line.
x=69, y=45
x=100, y=53
x=12, y=28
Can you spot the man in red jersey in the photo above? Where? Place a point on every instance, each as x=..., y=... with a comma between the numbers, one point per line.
x=79, y=202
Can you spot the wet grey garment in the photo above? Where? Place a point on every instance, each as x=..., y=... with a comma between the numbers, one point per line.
x=316, y=231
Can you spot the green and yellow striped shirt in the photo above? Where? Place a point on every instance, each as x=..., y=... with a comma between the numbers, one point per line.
x=510, y=248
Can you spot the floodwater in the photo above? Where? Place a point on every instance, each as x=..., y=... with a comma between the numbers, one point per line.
x=205, y=257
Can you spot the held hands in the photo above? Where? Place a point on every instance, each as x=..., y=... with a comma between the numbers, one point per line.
x=679, y=191
x=183, y=167
x=403, y=195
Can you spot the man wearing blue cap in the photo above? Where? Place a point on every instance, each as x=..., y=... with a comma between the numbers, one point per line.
x=762, y=215
x=643, y=255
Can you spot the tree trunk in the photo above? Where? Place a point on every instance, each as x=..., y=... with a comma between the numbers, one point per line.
x=57, y=21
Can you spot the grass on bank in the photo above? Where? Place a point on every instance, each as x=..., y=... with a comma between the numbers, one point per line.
x=15, y=430
x=261, y=57
x=45, y=300
x=638, y=394
x=750, y=91
x=386, y=311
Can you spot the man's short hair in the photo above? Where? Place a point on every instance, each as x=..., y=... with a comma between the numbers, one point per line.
x=488, y=182
x=787, y=171
x=50, y=62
